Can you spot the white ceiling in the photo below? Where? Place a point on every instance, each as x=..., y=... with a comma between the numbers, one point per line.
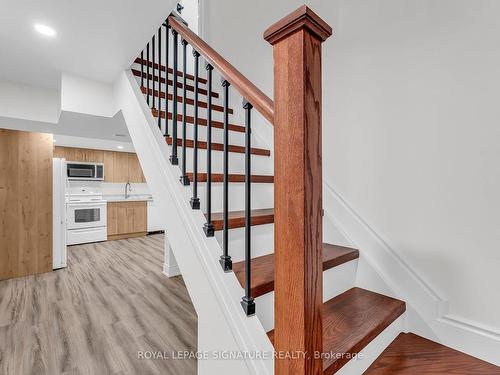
x=95, y=38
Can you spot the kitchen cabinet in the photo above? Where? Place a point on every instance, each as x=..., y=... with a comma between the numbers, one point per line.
x=119, y=167
x=25, y=203
x=109, y=166
x=127, y=219
x=79, y=154
x=134, y=169
x=124, y=167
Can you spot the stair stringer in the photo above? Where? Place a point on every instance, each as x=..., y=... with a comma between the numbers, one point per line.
x=222, y=324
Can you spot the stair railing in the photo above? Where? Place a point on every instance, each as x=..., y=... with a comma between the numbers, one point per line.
x=296, y=116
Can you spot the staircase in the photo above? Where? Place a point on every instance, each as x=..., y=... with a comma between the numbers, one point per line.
x=262, y=206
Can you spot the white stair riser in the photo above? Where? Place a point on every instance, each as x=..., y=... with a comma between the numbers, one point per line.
x=262, y=196
x=202, y=112
x=262, y=241
x=235, y=138
x=260, y=164
x=336, y=281
x=190, y=94
x=234, y=103
x=371, y=352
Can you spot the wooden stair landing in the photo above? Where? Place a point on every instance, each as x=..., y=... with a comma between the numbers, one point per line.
x=220, y=147
x=351, y=321
x=237, y=218
x=410, y=354
x=219, y=177
x=263, y=267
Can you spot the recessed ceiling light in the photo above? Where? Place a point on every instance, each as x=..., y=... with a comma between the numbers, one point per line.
x=119, y=147
x=45, y=30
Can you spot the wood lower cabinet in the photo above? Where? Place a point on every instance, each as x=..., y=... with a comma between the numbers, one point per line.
x=127, y=219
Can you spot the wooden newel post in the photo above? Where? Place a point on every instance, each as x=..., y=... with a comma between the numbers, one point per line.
x=296, y=41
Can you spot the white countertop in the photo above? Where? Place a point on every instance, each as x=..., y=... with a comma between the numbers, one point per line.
x=131, y=198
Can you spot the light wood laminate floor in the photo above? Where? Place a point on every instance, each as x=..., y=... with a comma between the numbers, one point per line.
x=95, y=316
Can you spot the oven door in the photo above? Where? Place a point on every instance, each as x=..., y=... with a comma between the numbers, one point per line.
x=86, y=215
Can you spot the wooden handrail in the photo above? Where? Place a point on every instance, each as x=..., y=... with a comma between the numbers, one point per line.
x=260, y=101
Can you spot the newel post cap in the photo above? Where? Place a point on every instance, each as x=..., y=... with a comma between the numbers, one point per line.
x=303, y=17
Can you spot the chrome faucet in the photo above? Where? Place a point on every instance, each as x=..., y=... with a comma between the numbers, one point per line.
x=127, y=185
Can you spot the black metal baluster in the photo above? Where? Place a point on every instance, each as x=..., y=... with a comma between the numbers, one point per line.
x=147, y=75
x=154, y=70
x=225, y=259
x=209, y=226
x=142, y=69
x=167, y=27
x=247, y=302
x=195, y=201
x=184, y=178
x=159, y=79
x=173, y=158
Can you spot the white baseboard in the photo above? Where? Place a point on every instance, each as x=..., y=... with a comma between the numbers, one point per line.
x=469, y=337
x=171, y=271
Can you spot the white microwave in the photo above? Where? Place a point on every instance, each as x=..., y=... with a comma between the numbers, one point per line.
x=85, y=171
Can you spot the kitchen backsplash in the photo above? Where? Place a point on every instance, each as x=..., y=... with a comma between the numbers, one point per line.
x=109, y=188
x=106, y=188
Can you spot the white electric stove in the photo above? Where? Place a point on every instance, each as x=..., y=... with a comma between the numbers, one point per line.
x=86, y=214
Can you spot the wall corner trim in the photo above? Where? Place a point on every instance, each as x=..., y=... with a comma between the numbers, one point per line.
x=395, y=271
x=171, y=271
x=470, y=337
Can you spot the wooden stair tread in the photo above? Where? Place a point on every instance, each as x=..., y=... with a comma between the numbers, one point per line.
x=189, y=101
x=237, y=218
x=170, y=70
x=220, y=147
x=263, y=267
x=351, y=321
x=201, y=121
x=410, y=354
x=201, y=91
x=219, y=177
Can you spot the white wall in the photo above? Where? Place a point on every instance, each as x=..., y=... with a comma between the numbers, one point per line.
x=21, y=101
x=83, y=95
x=410, y=127
x=190, y=13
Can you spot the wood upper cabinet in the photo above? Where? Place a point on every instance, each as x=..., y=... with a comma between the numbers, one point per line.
x=79, y=154
x=109, y=166
x=126, y=219
x=120, y=167
x=134, y=169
